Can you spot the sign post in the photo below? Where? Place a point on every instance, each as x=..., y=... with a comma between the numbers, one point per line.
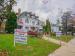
x=20, y=36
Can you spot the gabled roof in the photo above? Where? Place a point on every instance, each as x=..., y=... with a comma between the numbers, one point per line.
x=30, y=14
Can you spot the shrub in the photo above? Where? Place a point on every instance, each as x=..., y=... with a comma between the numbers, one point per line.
x=53, y=34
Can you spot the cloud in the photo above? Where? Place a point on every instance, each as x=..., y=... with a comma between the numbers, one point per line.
x=50, y=9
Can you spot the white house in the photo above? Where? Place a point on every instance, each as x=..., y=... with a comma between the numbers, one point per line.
x=29, y=22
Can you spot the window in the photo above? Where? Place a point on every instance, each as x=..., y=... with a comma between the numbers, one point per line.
x=26, y=20
x=19, y=27
x=38, y=23
x=27, y=28
x=33, y=22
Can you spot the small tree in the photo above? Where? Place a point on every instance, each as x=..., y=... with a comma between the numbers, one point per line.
x=48, y=26
x=11, y=22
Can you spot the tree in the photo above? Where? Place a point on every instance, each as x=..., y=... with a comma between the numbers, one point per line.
x=5, y=9
x=6, y=3
x=1, y=4
x=47, y=27
x=11, y=23
x=68, y=23
x=71, y=25
x=65, y=21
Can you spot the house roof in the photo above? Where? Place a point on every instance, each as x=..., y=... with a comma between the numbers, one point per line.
x=30, y=14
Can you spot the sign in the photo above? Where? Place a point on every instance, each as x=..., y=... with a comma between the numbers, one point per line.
x=20, y=36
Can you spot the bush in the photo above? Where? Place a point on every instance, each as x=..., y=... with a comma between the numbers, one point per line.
x=53, y=34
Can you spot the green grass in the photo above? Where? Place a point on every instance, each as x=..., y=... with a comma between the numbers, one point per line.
x=35, y=46
x=65, y=38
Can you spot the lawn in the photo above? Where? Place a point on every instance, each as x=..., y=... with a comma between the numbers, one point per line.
x=65, y=38
x=35, y=46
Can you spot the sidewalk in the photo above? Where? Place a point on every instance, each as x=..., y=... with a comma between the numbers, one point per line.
x=66, y=50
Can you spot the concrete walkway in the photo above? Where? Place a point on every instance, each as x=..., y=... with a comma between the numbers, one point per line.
x=54, y=40
x=66, y=50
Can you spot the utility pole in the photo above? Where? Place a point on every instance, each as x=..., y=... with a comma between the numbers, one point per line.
x=66, y=25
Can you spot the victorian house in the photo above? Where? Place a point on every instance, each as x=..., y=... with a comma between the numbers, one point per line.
x=29, y=22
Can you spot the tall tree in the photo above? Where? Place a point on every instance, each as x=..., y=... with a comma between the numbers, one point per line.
x=48, y=26
x=65, y=20
x=11, y=23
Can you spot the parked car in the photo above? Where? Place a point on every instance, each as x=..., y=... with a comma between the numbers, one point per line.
x=32, y=33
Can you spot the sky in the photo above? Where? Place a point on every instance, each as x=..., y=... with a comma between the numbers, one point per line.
x=46, y=9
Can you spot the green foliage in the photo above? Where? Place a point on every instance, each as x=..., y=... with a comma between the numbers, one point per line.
x=11, y=22
x=53, y=34
x=44, y=28
x=47, y=28
x=1, y=1
x=65, y=38
x=5, y=13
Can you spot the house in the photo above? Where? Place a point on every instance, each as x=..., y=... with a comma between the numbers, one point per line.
x=29, y=22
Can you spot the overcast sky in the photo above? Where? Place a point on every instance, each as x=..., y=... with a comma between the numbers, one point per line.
x=46, y=8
